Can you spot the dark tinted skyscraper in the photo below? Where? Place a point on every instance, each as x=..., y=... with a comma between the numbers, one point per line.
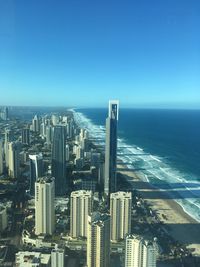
x=59, y=160
x=110, y=185
x=26, y=136
x=36, y=170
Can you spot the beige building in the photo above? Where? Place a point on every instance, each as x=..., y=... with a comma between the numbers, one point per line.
x=140, y=252
x=80, y=208
x=13, y=160
x=57, y=257
x=98, y=241
x=32, y=259
x=120, y=212
x=44, y=206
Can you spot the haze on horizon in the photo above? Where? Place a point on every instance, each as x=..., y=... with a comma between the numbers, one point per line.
x=83, y=53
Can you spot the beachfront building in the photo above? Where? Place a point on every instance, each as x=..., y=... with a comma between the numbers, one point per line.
x=110, y=182
x=120, y=212
x=59, y=160
x=44, y=206
x=140, y=252
x=98, y=241
x=80, y=208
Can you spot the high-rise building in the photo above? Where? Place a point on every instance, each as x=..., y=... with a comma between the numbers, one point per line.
x=80, y=208
x=140, y=252
x=26, y=136
x=98, y=240
x=13, y=160
x=8, y=138
x=44, y=206
x=3, y=219
x=67, y=152
x=110, y=183
x=48, y=134
x=4, y=113
x=59, y=160
x=120, y=212
x=36, y=124
x=55, y=119
x=1, y=156
x=36, y=170
x=57, y=257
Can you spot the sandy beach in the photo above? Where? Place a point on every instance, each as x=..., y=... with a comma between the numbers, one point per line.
x=181, y=226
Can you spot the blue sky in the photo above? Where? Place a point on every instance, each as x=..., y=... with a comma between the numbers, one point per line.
x=146, y=53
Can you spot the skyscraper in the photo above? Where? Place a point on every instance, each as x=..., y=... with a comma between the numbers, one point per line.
x=120, y=212
x=59, y=160
x=98, y=240
x=13, y=160
x=80, y=208
x=110, y=183
x=57, y=257
x=140, y=252
x=36, y=124
x=36, y=170
x=8, y=138
x=44, y=206
x=26, y=136
x=1, y=156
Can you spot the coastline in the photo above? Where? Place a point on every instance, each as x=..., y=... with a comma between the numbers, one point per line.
x=182, y=227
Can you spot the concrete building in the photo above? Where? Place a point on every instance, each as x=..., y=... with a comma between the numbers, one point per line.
x=49, y=134
x=44, y=206
x=120, y=212
x=1, y=156
x=3, y=219
x=59, y=160
x=8, y=138
x=110, y=182
x=57, y=257
x=36, y=124
x=13, y=160
x=55, y=119
x=140, y=252
x=32, y=259
x=67, y=152
x=98, y=240
x=36, y=170
x=80, y=208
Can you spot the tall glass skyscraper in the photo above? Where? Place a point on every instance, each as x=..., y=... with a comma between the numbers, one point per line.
x=36, y=170
x=110, y=182
x=59, y=160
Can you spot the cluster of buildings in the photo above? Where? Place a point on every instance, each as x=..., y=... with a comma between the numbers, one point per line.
x=4, y=113
x=64, y=163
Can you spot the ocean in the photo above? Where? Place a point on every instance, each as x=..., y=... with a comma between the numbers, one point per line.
x=165, y=144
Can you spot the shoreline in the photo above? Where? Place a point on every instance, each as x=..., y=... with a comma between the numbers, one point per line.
x=182, y=227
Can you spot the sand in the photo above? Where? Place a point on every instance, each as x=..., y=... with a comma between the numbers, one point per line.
x=182, y=227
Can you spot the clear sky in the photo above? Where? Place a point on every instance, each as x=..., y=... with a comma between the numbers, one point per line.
x=83, y=53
